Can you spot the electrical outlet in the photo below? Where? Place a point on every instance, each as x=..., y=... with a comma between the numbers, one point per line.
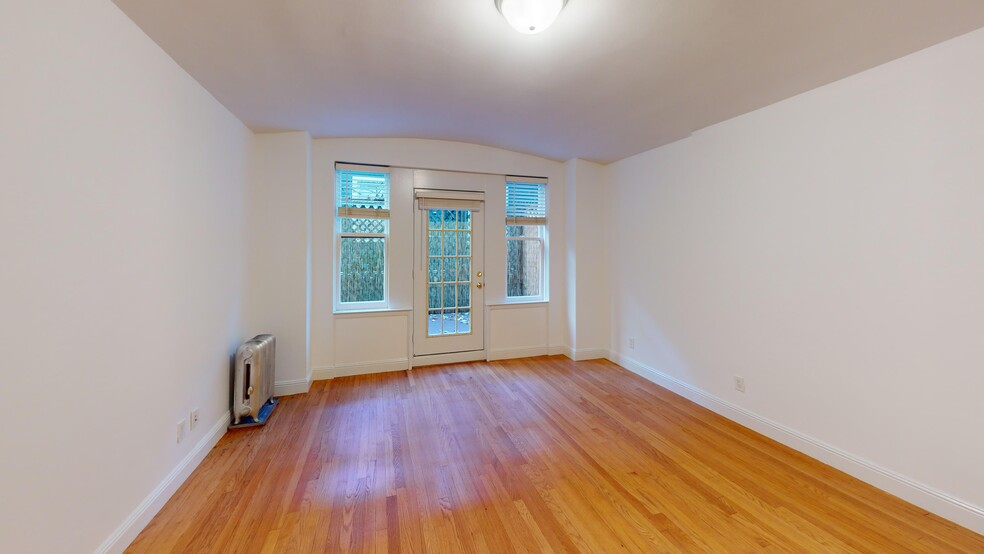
x=632, y=343
x=193, y=419
x=739, y=383
x=181, y=430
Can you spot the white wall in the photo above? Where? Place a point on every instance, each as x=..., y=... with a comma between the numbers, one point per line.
x=829, y=249
x=587, y=262
x=278, y=231
x=122, y=188
x=570, y=256
x=334, y=350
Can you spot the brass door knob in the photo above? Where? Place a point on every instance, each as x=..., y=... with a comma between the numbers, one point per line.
x=479, y=274
x=479, y=285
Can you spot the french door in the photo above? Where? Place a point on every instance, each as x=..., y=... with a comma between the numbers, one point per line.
x=449, y=296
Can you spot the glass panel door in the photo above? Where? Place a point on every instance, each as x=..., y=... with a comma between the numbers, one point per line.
x=448, y=281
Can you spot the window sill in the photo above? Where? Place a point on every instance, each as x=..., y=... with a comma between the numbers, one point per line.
x=519, y=303
x=370, y=312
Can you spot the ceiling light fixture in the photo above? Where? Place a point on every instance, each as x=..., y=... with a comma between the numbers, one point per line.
x=530, y=16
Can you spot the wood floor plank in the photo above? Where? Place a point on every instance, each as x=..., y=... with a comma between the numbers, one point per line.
x=534, y=455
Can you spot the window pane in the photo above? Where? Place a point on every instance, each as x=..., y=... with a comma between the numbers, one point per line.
x=450, y=244
x=464, y=293
x=361, y=225
x=450, y=219
x=450, y=269
x=524, y=263
x=362, y=269
x=530, y=231
x=434, y=243
x=464, y=220
x=449, y=300
x=449, y=319
x=464, y=269
x=526, y=199
x=434, y=323
x=464, y=244
x=464, y=321
x=356, y=189
x=434, y=219
x=434, y=270
x=434, y=296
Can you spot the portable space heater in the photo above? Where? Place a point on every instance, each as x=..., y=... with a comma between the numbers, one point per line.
x=252, y=390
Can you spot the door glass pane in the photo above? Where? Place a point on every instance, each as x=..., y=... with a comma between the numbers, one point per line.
x=449, y=267
x=449, y=300
x=434, y=243
x=434, y=270
x=450, y=244
x=434, y=219
x=434, y=296
x=449, y=320
x=434, y=323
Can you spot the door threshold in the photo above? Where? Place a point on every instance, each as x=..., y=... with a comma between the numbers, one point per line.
x=452, y=358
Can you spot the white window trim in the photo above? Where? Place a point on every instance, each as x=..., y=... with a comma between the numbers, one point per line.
x=355, y=307
x=541, y=221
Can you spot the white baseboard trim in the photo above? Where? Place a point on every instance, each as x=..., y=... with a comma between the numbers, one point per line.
x=453, y=358
x=561, y=350
x=523, y=352
x=924, y=496
x=359, y=368
x=321, y=373
x=287, y=388
x=582, y=354
x=141, y=516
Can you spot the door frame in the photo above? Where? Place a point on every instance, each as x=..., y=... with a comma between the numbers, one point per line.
x=479, y=319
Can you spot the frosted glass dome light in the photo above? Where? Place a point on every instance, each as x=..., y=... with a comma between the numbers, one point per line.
x=530, y=16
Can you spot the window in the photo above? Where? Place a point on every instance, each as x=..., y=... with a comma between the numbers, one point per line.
x=526, y=229
x=362, y=199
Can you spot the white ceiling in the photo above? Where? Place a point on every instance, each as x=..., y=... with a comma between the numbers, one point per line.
x=610, y=79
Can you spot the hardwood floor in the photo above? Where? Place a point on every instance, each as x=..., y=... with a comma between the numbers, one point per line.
x=533, y=455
